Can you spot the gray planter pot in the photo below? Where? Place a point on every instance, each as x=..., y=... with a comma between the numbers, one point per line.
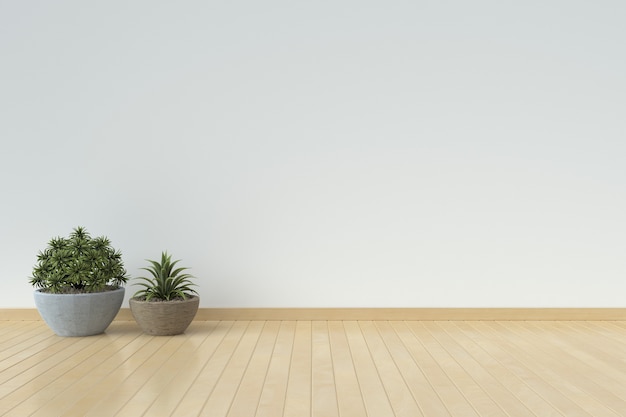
x=164, y=318
x=79, y=314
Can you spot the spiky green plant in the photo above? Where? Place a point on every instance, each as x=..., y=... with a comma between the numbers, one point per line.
x=166, y=282
x=78, y=264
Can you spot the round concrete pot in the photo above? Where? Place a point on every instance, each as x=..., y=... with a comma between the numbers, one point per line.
x=79, y=314
x=164, y=318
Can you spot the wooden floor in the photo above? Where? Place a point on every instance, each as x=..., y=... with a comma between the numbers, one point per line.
x=318, y=368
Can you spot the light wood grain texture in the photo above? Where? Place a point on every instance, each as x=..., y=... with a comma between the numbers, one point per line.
x=319, y=368
x=274, y=391
x=328, y=314
x=247, y=397
x=372, y=388
x=349, y=395
x=298, y=398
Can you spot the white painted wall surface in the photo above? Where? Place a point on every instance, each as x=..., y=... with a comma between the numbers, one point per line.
x=326, y=153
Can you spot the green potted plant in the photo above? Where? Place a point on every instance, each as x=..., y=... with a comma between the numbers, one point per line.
x=167, y=303
x=79, y=283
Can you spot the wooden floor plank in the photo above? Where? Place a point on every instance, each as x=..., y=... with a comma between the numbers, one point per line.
x=506, y=351
x=274, y=392
x=487, y=353
x=118, y=396
x=248, y=395
x=22, y=347
x=298, y=400
x=400, y=396
x=608, y=332
x=319, y=368
x=165, y=404
x=60, y=383
x=484, y=370
x=449, y=337
x=87, y=380
x=595, y=353
x=372, y=388
x=15, y=333
x=323, y=391
x=204, y=382
x=552, y=365
x=450, y=394
x=35, y=352
x=559, y=361
x=621, y=325
x=417, y=382
x=159, y=383
x=472, y=391
x=349, y=397
x=221, y=398
x=67, y=354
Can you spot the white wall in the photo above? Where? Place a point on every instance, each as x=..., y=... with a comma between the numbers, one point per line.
x=324, y=153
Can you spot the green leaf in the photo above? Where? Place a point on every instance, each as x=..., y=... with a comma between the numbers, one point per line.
x=167, y=282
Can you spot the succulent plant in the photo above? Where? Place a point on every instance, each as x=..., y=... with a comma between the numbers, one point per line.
x=166, y=281
x=79, y=264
